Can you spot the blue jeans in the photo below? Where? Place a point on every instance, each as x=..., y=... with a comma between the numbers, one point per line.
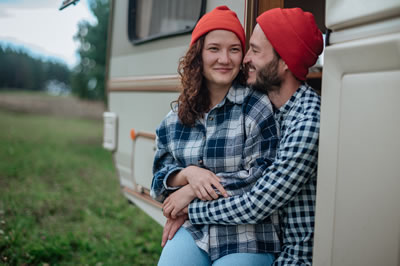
x=182, y=250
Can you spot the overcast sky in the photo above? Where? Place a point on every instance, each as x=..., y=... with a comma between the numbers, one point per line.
x=40, y=27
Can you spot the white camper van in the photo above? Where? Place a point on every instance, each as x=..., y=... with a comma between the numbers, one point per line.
x=358, y=198
x=147, y=38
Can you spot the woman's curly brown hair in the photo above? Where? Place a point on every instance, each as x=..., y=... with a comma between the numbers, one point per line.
x=194, y=99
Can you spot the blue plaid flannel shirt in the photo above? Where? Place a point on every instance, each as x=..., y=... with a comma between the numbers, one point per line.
x=235, y=140
x=289, y=184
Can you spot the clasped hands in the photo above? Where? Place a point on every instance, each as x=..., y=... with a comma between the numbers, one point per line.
x=197, y=183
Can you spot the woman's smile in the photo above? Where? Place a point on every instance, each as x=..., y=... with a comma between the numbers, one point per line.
x=222, y=56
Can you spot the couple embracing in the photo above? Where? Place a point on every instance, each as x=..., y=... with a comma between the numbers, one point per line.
x=236, y=159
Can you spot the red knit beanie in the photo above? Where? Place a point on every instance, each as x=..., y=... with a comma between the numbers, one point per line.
x=220, y=18
x=295, y=36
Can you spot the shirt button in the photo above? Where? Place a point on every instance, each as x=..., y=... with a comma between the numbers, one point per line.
x=200, y=161
x=210, y=118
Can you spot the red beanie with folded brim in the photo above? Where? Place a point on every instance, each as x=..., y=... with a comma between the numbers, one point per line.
x=295, y=36
x=220, y=18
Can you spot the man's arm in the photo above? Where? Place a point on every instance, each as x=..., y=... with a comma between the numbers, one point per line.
x=296, y=161
x=259, y=149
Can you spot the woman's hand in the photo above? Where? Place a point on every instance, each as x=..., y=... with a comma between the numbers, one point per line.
x=171, y=227
x=177, y=201
x=202, y=182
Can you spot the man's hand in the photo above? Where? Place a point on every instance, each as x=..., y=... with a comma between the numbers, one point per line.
x=177, y=201
x=171, y=227
x=203, y=182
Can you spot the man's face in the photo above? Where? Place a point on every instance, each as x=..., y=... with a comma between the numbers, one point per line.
x=262, y=63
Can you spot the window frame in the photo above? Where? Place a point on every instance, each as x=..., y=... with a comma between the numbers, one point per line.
x=132, y=25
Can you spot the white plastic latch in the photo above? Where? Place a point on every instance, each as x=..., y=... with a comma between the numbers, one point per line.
x=110, y=131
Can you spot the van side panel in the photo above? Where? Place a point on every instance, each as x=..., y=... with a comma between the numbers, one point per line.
x=358, y=212
x=342, y=14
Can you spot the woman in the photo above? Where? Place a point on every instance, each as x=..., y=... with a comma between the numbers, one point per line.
x=215, y=141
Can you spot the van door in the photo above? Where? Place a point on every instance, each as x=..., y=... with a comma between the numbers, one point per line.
x=358, y=210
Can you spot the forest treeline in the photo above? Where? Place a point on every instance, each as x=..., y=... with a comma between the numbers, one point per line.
x=19, y=70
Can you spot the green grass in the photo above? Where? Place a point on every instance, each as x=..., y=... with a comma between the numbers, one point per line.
x=60, y=200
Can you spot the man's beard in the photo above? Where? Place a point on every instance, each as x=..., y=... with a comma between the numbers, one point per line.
x=267, y=79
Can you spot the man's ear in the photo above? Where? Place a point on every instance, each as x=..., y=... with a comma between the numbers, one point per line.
x=283, y=65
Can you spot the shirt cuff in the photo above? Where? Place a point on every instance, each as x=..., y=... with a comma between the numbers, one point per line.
x=197, y=212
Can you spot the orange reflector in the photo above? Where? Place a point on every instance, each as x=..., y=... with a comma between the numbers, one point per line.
x=133, y=134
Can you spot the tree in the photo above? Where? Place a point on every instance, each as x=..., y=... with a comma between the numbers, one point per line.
x=19, y=70
x=89, y=75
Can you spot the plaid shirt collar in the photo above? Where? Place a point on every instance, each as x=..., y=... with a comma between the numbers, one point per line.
x=280, y=113
x=236, y=95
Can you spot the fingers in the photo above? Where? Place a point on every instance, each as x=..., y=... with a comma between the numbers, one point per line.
x=220, y=188
x=166, y=201
x=204, y=194
x=203, y=182
x=211, y=192
x=181, y=213
x=166, y=231
x=207, y=192
x=176, y=225
x=167, y=209
x=198, y=194
x=171, y=227
x=174, y=213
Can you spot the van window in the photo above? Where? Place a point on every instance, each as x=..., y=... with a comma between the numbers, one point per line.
x=153, y=19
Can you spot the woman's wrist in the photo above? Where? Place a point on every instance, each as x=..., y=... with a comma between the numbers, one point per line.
x=177, y=179
x=186, y=173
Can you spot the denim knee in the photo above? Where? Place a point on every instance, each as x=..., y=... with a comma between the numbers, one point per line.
x=182, y=250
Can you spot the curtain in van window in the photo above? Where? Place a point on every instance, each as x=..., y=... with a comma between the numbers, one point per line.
x=162, y=17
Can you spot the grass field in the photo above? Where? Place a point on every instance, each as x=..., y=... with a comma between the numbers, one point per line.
x=60, y=201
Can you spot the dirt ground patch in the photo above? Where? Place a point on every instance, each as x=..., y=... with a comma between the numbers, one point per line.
x=40, y=103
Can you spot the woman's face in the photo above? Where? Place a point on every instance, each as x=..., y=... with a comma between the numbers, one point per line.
x=222, y=56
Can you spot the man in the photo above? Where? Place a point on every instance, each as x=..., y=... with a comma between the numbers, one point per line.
x=284, y=44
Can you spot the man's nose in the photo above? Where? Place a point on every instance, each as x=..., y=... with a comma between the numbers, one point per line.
x=247, y=57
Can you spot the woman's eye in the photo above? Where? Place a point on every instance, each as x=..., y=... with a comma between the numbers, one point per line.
x=213, y=49
x=236, y=50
